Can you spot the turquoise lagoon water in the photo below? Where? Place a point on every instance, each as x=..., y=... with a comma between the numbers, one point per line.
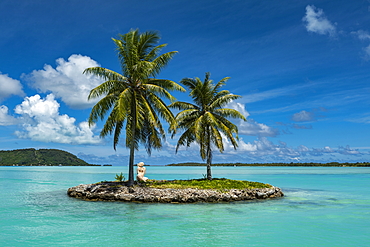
x=322, y=207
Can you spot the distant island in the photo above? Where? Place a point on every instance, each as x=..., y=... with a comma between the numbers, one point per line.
x=330, y=164
x=40, y=157
x=56, y=157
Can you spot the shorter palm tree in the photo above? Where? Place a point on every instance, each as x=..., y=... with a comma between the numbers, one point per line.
x=205, y=120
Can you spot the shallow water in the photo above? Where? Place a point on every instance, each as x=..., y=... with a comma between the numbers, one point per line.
x=322, y=207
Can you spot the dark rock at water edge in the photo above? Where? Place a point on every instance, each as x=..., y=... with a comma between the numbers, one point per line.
x=115, y=191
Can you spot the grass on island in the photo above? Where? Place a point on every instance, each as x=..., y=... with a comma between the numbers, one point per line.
x=216, y=183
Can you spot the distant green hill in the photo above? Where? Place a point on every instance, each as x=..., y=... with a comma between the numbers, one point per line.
x=31, y=156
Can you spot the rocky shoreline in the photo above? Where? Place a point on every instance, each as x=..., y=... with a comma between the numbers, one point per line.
x=115, y=191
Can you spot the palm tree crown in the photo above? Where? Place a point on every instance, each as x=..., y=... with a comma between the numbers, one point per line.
x=133, y=98
x=205, y=120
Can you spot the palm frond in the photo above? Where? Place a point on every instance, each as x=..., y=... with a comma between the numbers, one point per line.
x=161, y=61
x=221, y=83
x=183, y=106
x=149, y=114
x=160, y=91
x=217, y=138
x=154, y=52
x=160, y=107
x=117, y=133
x=145, y=44
x=185, y=139
x=184, y=120
x=223, y=100
x=124, y=104
x=107, y=88
x=166, y=84
x=142, y=70
x=105, y=74
x=101, y=108
x=226, y=112
x=199, y=128
x=110, y=124
x=189, y=82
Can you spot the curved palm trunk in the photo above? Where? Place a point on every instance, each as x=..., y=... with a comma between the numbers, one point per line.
x=132, y=147
x=209, y=173
x=131, y=164
x=209, y=159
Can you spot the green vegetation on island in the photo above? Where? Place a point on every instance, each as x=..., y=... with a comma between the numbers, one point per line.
x=330, y=164
x=215, y=184
x=41, y=157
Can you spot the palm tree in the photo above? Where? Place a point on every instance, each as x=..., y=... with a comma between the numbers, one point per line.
x=133, y=97
x=205, y=120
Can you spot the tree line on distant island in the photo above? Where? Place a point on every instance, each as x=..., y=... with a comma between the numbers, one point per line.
x=329, y=164
x=41, y=157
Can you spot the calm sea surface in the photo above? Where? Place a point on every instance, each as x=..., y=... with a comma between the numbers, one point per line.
x=322, y=207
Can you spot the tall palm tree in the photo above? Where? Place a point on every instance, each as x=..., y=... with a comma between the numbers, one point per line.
x=205, y=120
x=133, y=98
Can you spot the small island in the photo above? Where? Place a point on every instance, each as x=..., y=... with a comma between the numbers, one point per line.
x=176, y=191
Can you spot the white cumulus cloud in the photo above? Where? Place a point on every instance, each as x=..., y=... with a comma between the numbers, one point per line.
x=251, y=127
x=67, y=80
x=303, y=116
x=262, y=147
x=367, y=51
x=317, y=22
x=9, y=87
x=347, y=150
x=42, y=122
x=6, y=119
x=362, y=35
x=239, y=107
x=308, y=116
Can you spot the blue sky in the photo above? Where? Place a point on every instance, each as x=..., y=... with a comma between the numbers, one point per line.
x=301, y=67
